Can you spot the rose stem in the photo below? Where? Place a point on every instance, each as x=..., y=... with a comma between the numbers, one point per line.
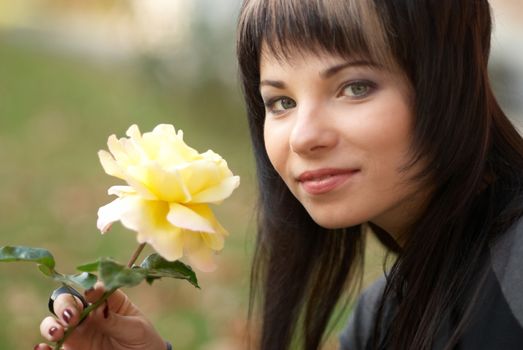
x=100, y=301
x=135, y=255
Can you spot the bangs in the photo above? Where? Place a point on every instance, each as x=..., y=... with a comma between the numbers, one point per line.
x=347, y=28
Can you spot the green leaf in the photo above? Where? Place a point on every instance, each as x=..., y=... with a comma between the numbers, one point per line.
x=157, y=267
x=89, y=267
x=85, y=280
x=46, y=264
x=150, y=279
x=29, y=254
x=115, y=275
x=46, y=270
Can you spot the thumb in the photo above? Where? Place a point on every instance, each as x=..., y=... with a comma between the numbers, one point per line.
x=125, y=329
x=120, y=320
x=118, y=301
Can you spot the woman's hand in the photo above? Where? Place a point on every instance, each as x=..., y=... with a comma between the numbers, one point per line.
x=117, y=325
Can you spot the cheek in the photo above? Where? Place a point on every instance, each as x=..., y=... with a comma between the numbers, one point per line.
x=385, y=131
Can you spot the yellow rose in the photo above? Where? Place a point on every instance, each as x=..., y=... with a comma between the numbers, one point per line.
x=169, y=188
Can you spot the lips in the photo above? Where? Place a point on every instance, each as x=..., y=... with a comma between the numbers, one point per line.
x=324, y=180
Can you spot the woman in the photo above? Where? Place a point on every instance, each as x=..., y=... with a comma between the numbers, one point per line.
x=373, y=114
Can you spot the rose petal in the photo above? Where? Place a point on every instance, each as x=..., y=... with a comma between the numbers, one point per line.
x=173, y=150
x=121, y=191
x=195, y=218
x=169, y=244
x=199, y=255
x=215, y=241
x=136, y=178
x=217, y=193
x=112, y=212
x=116, y=148
x=166, y=185
x=136, y=145
x=133, y=132
x=164, y=130
x=145, y=215
x=109, y=164
x=199, y=175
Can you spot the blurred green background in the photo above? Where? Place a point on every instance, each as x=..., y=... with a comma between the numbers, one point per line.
x=72, y=72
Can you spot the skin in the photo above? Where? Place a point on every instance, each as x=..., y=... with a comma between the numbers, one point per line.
x=325, y=115
x=348, y=119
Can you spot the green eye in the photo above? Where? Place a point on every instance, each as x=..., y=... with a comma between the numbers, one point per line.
x=357, y=89
x=284, y=103
x=280, y=104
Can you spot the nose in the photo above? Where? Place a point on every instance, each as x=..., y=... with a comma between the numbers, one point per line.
x=313, y=131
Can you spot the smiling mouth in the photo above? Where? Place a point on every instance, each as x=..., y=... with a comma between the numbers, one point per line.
x=324, y=180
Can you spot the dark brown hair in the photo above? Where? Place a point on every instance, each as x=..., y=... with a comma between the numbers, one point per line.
x=474, y=160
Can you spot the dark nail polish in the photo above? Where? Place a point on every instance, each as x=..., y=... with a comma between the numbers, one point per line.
x=106, y=311
x=87, y=291
x=36, y=347
x=68, y=314
x=52, y=331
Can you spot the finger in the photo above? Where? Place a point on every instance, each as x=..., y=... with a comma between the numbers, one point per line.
x=124, y=329
x=51, y=329
x=94, y=293
x=117, y=302
x=42, y=346
x=68, y=309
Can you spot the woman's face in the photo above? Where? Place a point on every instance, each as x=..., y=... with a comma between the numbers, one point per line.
x=338, y=132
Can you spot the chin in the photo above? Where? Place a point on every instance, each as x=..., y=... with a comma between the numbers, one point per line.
x=331, y=223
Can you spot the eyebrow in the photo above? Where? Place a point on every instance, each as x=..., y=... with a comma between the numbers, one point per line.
x=274, y=83
x=329, y=72
x=325, y=74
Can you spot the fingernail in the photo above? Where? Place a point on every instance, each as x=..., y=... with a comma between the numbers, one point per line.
x=87, y=291
x=37, y=347
x=106, y=311
x=52, y=331
x=68, y=314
